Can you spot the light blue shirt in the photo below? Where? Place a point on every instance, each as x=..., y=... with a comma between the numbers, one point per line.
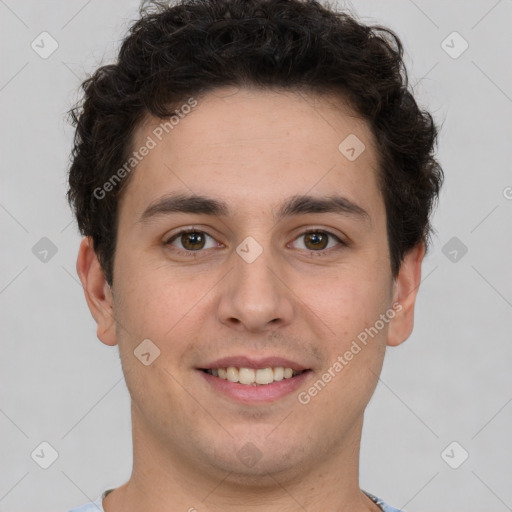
x=96, y=506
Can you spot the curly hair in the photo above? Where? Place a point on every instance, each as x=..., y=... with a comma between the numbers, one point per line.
x=195, y=46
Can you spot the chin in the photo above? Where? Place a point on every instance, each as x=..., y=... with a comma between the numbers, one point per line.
x=251, y=462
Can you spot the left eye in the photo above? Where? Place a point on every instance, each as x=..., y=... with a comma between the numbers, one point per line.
x=318, y=240
x=192, y=240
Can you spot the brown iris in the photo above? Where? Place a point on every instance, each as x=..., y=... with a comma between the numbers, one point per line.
x=193, y=240
x=318, y=240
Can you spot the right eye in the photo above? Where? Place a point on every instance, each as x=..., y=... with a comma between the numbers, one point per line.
x=191, y=240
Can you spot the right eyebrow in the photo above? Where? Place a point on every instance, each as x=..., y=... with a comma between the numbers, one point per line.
x=183, y=203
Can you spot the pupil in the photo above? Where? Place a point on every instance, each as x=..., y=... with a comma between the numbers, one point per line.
x=193, y=239
x=318, y=240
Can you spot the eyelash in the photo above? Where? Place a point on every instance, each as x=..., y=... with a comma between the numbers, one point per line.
x=197, y=253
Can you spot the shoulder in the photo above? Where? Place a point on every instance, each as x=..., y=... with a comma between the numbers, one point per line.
x=384, y=506
x=93, y=506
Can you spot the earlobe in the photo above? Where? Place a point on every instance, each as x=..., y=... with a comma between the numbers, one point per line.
x=97, y=292
x=404, y=296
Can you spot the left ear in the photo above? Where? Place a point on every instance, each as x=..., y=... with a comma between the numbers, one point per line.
x=404, y=295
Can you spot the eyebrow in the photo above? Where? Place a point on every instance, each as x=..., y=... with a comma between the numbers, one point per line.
x=294, y=205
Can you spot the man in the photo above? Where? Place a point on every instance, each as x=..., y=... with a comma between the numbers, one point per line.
x=254, y=183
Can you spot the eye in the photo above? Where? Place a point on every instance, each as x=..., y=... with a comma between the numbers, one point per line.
x=318, y=240
x=191, y=240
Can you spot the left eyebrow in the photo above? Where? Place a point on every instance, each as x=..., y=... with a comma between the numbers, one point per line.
x=292, y=206
x=304, y=204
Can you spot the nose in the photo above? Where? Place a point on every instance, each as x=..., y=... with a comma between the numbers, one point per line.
x=255, y=296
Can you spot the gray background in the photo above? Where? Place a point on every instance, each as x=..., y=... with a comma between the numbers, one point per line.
x=451, y=381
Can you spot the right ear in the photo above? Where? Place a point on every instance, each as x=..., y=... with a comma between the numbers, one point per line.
x=97, y=292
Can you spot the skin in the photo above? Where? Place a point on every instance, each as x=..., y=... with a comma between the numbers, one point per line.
x=253, y=149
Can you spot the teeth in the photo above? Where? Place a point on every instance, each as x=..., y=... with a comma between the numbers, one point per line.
x=232, y=374
x=246, y=376
x=251, y=376
x=279, y=373
x=264, y=376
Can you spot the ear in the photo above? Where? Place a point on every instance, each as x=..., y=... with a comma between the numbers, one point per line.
x=97, y=292
x=405, y=289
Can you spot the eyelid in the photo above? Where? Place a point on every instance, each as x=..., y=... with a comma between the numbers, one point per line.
x=175, y=236
x=341, y=241
x=169, y=239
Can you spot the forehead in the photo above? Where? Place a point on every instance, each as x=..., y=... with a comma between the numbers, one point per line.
x=253, y=147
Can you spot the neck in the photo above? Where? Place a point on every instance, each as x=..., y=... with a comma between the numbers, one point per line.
x=161, y=478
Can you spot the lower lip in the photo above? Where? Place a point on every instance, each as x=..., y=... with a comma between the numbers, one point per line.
x=260, y=393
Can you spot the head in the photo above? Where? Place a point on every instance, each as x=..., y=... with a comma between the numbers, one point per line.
x=280, y=118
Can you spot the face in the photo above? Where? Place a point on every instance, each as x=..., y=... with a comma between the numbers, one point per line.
x=285, y=266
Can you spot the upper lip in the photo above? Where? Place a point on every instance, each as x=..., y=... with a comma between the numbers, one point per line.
x=248, y=362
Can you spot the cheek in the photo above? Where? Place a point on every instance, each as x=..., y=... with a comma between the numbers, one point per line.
x=147, y=297
x=153, y=310
x=158, y=303
x=348, y=304
x=355, y=350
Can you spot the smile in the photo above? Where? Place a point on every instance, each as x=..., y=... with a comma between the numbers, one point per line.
x=253, y=376
x=254, y=386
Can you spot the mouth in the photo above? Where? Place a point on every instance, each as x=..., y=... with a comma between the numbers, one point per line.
x=254, y=380
x=253, y=376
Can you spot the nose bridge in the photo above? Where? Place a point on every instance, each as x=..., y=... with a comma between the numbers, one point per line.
x=255, y=296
